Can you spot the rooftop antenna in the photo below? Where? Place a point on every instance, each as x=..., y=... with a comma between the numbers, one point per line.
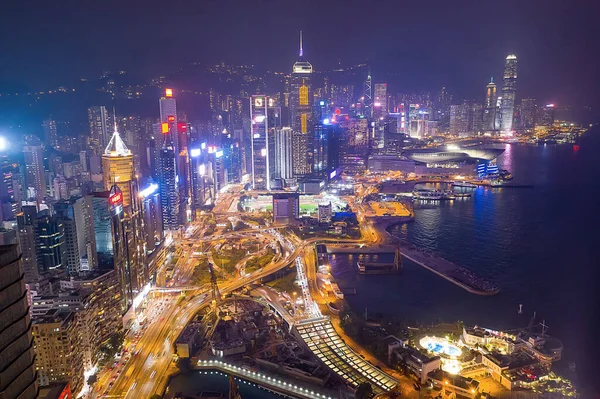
x=115, y=118
x=492, y=79
x=544, y=327
x=301, y=50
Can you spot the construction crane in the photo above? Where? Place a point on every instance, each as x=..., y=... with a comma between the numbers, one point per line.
x=216, y=295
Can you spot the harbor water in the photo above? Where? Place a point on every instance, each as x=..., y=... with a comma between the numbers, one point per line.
x=540, y=245
x=201, y=383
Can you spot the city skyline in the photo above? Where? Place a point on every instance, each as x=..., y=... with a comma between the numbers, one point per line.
x=436, y=57
x=347, y=200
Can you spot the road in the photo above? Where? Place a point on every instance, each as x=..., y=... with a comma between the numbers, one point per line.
x=147, y=372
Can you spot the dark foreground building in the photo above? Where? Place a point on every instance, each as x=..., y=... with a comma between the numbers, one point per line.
x=17, y=373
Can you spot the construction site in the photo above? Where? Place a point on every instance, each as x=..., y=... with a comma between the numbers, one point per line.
x=244, y=329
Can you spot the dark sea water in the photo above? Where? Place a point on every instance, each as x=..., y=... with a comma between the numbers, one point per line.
x=194, y=382
x=540, y=244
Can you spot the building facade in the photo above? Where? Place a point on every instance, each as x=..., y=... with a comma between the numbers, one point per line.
x=18, y=377
x=117, y=167
x=509, y=91
x=491, y=114
x=284, y=153
x=99, y=121
x=34, y=169
x=59, y=357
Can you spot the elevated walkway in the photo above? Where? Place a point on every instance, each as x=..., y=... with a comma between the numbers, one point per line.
x=274, y=384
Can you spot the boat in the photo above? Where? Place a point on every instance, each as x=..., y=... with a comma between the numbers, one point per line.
x=427, y=195
x=505, y=174
x=462, y=195
x=464, y=184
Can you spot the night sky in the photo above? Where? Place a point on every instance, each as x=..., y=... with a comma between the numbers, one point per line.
x=458, y=43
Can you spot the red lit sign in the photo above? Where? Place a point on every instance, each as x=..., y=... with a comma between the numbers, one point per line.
x=171, y=118
x=115, y=198
x=66, y=393
x=182, y=127
x=169, y=93
x=337, y=111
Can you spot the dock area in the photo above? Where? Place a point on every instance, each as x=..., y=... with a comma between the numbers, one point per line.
x=460, y=276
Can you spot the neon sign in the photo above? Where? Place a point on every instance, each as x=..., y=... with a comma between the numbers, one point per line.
x=115, y=198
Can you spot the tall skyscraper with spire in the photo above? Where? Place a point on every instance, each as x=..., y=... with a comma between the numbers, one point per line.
x=367, y=100
x=301, y=99
x=509, y=90
x=490, y=114
x=117, y=167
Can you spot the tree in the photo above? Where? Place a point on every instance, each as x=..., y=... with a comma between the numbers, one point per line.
x=363, y=391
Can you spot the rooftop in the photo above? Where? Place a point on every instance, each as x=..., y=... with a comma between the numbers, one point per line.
x=512, y=361
x=54, y=316
x=116, y=146
x=529, y=373
x=455, y=380
x=187, y=332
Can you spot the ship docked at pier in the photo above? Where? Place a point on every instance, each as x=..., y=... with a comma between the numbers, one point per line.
x=423, y=194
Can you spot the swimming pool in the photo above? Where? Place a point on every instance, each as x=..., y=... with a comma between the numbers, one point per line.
x=440, y=346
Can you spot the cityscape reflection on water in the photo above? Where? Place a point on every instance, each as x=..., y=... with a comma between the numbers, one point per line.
x=539, y=244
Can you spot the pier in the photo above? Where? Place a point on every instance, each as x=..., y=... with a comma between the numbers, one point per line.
x=462, y=277
x=371, y=267
x=359, y=250
x=409, y=185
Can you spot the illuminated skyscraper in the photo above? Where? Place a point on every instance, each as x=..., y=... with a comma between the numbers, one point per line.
x=284, y=138
x=459, y=119
x=50, y=247
x=380, y=103
x=367, y=99
x=490, y=113
x=175, y=136
x=528, y=113
x=169, y=193
x=546, y=117
x=509, y=90
x=300, y=103
x=117, y=167
x=50, y=132
x=341, y=96
x=99, y=121
x=478, y=124
x=301, y=162
x=264, y=119
x=168, y=115
x=74, y=215
x=34, y=167
x=418, y=116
